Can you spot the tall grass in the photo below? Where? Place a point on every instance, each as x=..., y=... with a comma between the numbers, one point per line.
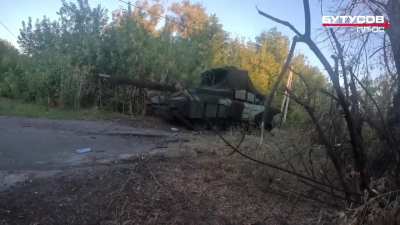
x=11, y=107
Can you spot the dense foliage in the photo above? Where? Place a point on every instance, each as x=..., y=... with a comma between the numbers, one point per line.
x=60, y=60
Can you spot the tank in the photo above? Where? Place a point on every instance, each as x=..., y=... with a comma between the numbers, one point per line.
x=225, y=97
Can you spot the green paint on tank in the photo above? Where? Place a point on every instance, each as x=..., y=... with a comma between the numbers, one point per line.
x=224, y=97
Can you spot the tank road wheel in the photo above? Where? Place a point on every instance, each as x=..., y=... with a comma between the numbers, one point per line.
x=183, y=120
x=200, y=125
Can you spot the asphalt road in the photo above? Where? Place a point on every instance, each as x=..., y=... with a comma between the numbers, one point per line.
x=42, y=144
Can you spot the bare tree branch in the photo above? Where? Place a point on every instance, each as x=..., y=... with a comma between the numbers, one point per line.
x=341, y=59
x=324, y=140
x=283, y=22
x=352, y=123
x=386, y=58
x=307, y=18
x=270, y=98
x=299, y=175
x=379, y=4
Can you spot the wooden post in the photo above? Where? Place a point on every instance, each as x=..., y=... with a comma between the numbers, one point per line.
x=286, y=98
x=262, y=133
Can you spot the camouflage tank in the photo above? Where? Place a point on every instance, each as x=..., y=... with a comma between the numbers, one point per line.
x=225, y=96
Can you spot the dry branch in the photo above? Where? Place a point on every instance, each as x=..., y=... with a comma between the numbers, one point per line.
x=352, y=121
x=285, y=68
x=273, y=166
x=283, y=22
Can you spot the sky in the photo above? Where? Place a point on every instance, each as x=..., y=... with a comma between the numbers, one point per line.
x=238, y=17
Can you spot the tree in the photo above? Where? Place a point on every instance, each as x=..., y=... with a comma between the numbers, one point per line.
x=63, y=57
x=188, y=19
x=148, y=15
x=381, y=48
x=10, y=73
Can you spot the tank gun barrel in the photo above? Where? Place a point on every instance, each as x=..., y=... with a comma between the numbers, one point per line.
x=139, y=83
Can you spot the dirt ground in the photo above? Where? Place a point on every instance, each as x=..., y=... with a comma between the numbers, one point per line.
x=190, y=180
x=32, y=148
x=43, y=143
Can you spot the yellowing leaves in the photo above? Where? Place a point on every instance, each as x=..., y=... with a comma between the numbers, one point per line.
x=189, y=18
x=262, y=59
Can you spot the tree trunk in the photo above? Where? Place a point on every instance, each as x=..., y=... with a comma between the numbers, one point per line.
x=393, y=12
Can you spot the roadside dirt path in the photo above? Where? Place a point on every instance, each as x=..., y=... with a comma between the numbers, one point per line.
x=164, y=178
x=157, y=190
x=30, y=147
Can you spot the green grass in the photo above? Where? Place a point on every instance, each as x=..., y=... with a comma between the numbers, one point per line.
x=9, y=107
